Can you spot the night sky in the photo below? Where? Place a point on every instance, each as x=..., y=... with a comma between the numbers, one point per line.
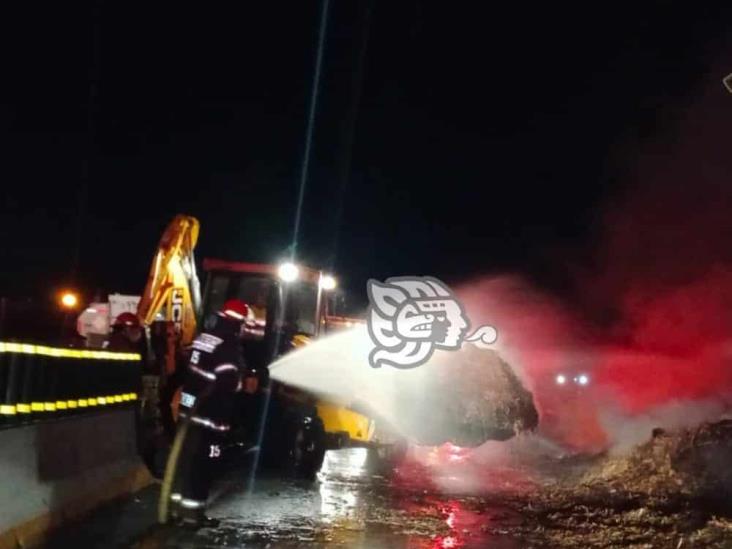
x=450, y=140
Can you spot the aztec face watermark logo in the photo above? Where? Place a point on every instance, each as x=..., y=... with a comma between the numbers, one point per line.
x=411, y=316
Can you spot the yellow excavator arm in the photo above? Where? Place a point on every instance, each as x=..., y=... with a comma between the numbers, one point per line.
x=172, y=292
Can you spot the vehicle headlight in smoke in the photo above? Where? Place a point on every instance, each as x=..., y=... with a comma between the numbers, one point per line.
x=561, y=379
x=582, y=379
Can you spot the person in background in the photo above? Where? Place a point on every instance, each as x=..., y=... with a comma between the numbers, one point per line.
x=127, y=335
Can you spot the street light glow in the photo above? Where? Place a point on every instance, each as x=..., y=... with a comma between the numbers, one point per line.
x=69, y=300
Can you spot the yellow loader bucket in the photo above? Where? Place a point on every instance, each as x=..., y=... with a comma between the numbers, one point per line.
x=337, y=419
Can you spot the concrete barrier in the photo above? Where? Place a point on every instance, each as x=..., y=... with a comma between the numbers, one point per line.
x=58, y=470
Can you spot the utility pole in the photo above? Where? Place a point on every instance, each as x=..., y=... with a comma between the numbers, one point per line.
x=365, y=10
x=310, y=126
x=90, y=147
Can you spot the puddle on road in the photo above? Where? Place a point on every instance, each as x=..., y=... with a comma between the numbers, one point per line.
x=350, y=506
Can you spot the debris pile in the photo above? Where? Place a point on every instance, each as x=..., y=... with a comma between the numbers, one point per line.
x=672, y=491
x=691, y=462
x=474, y=395
x=489, y=402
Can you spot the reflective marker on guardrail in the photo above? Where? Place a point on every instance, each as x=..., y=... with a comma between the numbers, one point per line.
x=13, y=409
x=28, y=349
x=38, y=381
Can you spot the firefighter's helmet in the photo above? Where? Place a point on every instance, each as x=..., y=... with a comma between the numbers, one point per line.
x=235, y=309
x=127, y=319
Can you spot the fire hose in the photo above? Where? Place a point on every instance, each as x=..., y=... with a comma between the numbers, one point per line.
x=171, y=465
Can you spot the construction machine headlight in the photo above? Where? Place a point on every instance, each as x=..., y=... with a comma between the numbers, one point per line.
x=288, y=272
x=561, y=379
x=328, y=283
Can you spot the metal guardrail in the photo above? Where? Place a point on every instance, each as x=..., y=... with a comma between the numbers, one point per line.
x=39, y=382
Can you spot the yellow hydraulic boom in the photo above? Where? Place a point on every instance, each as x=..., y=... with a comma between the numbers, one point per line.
x=172, y=292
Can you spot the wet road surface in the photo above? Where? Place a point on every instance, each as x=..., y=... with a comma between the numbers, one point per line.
x=353, y=504
x=437, y=499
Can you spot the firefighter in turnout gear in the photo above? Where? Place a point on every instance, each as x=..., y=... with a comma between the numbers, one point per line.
x=127, y=335
x=207, y=402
